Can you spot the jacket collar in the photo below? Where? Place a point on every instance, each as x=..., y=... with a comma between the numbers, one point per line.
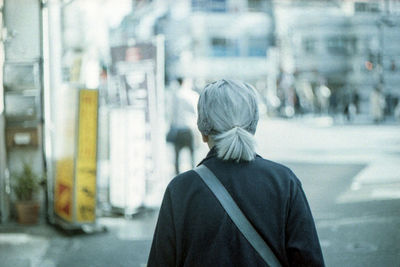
x=213, y=153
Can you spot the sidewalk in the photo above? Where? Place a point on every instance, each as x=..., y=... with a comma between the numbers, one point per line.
x=125, y=243
x=24, y=246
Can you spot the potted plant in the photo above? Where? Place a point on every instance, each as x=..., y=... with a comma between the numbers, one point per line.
x=26, y=186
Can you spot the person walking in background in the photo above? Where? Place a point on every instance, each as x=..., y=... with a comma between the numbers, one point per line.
x=377, y=105
x=397, y=111
x=355, y=99
x=183, y=117
x=323, y=94
x=193, y=227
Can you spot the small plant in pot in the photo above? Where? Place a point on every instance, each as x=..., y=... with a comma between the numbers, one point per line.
x=26, y=186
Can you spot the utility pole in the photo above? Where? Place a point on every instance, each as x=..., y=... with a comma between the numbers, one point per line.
x=52, y=46
x=383, y=21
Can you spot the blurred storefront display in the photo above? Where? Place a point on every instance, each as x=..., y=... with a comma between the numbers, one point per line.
x=137, y=145
x=54, y=120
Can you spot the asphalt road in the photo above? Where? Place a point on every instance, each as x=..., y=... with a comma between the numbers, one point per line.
x=351, y=234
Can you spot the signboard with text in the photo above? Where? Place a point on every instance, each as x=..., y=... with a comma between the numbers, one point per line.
x=85, y=175
x=75, y=181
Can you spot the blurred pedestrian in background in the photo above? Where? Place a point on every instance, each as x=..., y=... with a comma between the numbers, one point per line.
x=323, y=94
x=183, y=120
x=397, y=112
x=193, y=228
x=377, y=105
x=355, y=99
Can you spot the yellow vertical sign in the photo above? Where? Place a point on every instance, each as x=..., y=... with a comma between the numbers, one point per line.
x=85, y=177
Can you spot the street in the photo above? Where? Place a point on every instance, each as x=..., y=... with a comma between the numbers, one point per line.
x=351, y=234
x=349, y=173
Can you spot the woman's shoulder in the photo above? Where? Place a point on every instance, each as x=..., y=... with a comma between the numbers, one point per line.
x=276, y=169
x=263, y=162
x=183, y=181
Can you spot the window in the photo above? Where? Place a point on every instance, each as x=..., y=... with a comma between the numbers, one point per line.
x=342, y=45
x=309, y=45
x=257, y=5
x=257, y=46
x=209, y=5
x=366, y=7
x=223, y=47
x=335, y=46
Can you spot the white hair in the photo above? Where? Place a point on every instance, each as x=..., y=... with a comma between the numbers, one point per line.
x=228, y=113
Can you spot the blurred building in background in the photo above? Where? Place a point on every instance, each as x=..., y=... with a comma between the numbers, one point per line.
x=206, y=39
x=349, y=45
x=346, y=47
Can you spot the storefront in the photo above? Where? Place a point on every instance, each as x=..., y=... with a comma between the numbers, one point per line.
x=92, y=126
x=21, y=96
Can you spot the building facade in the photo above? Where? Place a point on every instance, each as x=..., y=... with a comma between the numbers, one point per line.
x=206, y=39
x=349, y=44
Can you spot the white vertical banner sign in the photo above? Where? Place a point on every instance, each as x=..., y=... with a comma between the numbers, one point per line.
x=160, y=129
x=117, y=156
x=127, y=157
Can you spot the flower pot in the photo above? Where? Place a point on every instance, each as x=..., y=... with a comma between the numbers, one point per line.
x=28, y=212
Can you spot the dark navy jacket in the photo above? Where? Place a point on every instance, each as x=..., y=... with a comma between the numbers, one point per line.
x=194, y=230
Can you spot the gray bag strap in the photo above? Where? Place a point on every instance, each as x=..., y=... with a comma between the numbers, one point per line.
x=237, y=215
